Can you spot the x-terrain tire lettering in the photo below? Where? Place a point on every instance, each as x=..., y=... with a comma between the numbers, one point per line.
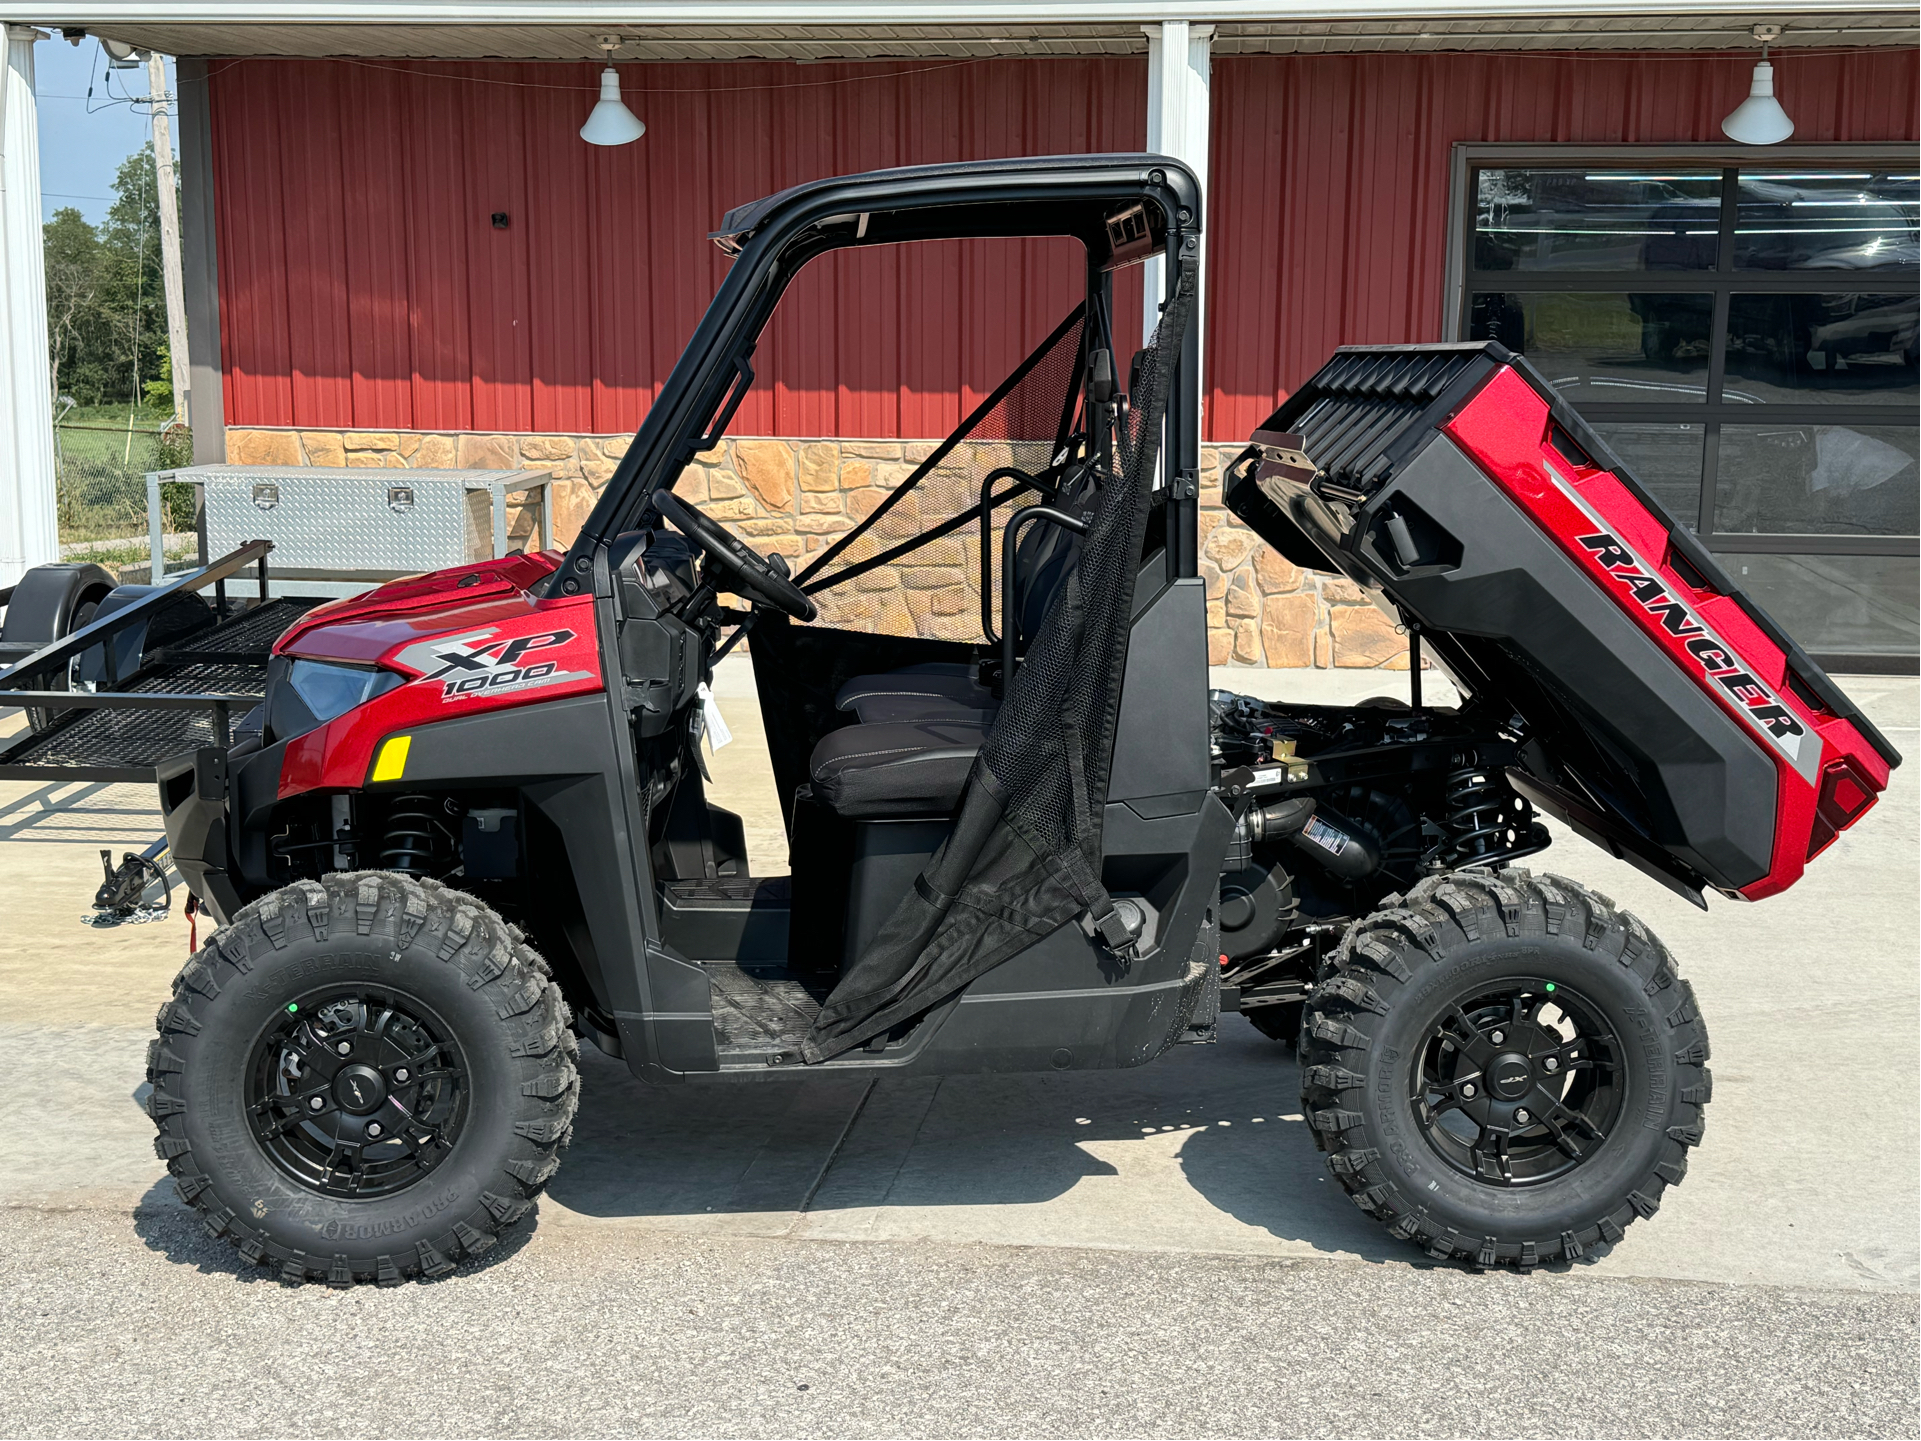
x=364, y=1078
x=1504, y=1070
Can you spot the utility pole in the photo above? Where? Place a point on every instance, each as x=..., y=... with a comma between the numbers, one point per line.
x=169, y=233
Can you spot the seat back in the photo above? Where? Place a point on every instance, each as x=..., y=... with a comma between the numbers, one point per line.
x=1044, y=559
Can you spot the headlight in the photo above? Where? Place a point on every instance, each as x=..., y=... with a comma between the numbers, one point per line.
x=331, y=690
x=313, y=692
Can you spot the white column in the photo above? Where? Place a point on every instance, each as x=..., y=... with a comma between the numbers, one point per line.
x=1178, y=67
x=29, y=527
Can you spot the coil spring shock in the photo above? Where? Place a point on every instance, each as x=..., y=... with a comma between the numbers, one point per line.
x=410, y=840
x=1481, y=811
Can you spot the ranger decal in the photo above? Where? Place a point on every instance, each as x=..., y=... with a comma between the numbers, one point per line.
x=1717, y=661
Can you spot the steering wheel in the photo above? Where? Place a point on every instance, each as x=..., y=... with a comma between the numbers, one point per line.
x=744, y=571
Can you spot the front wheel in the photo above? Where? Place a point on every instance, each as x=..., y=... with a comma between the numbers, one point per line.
x=365, y=1078
x=1504, y=1070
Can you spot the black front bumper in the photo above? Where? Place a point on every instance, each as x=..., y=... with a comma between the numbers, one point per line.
x=193, y=802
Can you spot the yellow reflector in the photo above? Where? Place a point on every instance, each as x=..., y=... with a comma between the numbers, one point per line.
x=393, y=758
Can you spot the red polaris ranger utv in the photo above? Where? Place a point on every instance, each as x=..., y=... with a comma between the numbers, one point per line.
x=468, y=821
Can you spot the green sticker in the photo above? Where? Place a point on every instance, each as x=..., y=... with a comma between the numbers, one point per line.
x=1550, y=986
x=292, y=1006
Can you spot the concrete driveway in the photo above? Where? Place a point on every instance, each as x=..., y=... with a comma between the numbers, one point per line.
x=1149, y=1251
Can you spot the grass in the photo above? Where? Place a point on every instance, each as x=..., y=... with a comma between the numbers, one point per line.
x=101, y=480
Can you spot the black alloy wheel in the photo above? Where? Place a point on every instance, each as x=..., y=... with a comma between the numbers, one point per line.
x=1519, y=1082
x=357, y=1093
x=365, y=1078
x=1504, y=1069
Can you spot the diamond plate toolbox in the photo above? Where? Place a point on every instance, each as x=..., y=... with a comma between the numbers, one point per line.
x=371, y=522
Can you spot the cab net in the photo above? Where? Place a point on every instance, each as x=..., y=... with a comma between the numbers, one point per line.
x=1023, y=858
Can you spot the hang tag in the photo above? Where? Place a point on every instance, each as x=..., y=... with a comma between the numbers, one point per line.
x=717, y=733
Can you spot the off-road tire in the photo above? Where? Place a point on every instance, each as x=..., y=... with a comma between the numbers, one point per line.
x=381, y=930
x=1366, y=1025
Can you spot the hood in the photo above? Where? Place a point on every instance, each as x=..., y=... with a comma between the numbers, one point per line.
x=360, y=629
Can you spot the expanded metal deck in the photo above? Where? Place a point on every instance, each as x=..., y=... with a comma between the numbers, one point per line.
x=112, y=744
x=247, y=638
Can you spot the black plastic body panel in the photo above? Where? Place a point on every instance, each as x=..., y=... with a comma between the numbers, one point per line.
x=1160, y=743
x=193, y=806
x=1711, y=790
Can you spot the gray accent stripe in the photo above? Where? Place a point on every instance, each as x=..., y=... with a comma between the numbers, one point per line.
x=664, y=1015
x=1074, y=995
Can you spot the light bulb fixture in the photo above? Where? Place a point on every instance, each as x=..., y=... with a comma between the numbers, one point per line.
x=1759, y=119
x=611, y=122
x=122, y=56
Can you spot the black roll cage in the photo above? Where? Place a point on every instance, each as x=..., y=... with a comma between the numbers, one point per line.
x=1122, y=208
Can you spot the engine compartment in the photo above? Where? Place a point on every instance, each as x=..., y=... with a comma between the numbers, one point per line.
x=1340, y=809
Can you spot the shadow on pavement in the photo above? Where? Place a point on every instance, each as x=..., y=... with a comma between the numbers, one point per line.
x=1188, y=1151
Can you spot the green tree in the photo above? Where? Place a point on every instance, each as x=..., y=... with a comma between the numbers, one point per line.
x=79, y=331
x=106, y=302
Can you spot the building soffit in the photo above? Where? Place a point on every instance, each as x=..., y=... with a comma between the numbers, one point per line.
x=808, y=30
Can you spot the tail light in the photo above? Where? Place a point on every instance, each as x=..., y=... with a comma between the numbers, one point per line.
x=1845, y=798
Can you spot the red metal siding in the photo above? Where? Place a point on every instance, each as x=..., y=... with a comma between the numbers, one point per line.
x=363, y=285
x=1328, y=202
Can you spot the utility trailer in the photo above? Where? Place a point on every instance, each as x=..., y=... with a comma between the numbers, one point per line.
x=471, y=827
x=139, y=675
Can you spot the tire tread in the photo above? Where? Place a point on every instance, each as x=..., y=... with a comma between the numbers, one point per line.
x=1386, y=951
x=440, y=925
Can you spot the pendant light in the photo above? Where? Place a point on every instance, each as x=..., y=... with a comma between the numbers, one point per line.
x=1759, y=119
x=611, y=122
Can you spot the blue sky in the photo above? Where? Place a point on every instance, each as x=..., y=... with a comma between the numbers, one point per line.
x=82, y=142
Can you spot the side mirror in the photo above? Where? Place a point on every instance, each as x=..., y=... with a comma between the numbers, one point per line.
x=1100, y=378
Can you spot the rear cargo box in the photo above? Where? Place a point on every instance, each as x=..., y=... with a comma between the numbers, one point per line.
x=1668, y=717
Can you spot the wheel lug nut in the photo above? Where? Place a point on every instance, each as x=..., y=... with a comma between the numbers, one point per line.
x=1522, y=1116
x=1551, y=1064
x=1498, y=1037
x=400, y=1073
x=318, y=1103
x=1468, y=1090
x=344, y=1047
x=374, y=1128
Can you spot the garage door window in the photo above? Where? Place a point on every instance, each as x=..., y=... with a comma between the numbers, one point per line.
x=1745, y=338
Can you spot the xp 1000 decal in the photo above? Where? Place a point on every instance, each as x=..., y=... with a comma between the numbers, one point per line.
x=483, y=662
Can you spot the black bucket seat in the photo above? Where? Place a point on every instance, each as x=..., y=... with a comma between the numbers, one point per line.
x=921, y=726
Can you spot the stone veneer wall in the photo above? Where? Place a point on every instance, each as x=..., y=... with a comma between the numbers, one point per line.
x=796, y=496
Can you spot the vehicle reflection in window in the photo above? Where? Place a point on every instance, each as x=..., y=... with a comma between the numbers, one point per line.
x=1827, y=220
x=1838, y=348
x=1818, y=480
x=1596, y=220
x=1600, y=346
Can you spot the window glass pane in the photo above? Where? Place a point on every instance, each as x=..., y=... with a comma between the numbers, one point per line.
x=1852, y=604
x=1666, y=458
x=1850, y=349
x=1596, y=220
x=1826, y=220
x=1601, y=346
x=1817, y=480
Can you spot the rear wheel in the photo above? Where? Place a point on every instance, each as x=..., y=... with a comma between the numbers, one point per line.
x=365, y=1078
x=1505, y=1070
